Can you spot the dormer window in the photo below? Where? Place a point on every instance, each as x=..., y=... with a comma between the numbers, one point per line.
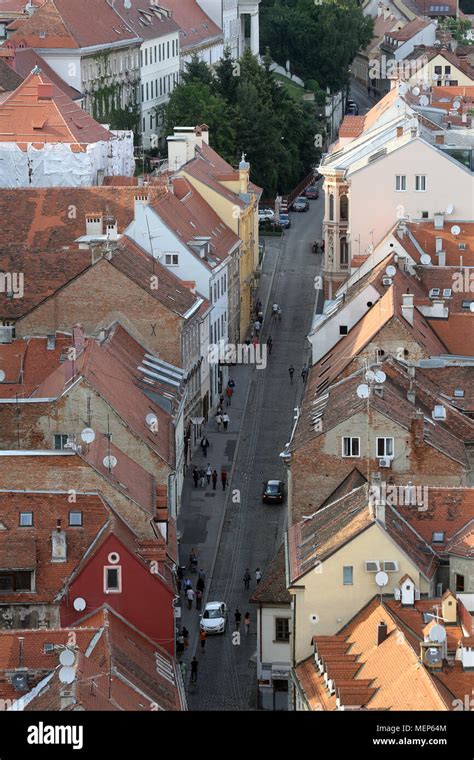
x=458, y=393
x=26, y=519
x=438, y=537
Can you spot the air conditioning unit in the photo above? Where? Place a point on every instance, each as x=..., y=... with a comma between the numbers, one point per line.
x=385, y=462
x=372, y=566
x=6, y=334
x=391, y=566
x=434, y=293
x=387, y=281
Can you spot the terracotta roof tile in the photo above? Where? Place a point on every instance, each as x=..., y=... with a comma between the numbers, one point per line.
x=196, y=26
x=23, y=60
x=272, y=588
x=449, y=511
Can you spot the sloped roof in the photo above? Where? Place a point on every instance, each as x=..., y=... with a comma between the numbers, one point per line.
x=211, y=169
x=462, y=543
x=27, y=362
x=9, y=78
x=197, y=29
x=272, y=588
x=146, y=21
x=25, y=59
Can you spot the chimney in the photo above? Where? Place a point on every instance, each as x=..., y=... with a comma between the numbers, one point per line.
x=399, y=131
x=68, y=695
x=417, y=425
x=78, y=339
x=45, y=91
x=379, y=10
x=59, y=546
x=205, y=133
x=198, y=133
x=382, y=632
x=411, y=395
x=438, y=221
x=111, y=229
x=94, y=224
x=439, y=139
x=439, y=244
x=441, y=258
x=407, y=307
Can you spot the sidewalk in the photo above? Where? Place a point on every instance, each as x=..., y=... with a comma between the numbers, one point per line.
x=202, y=510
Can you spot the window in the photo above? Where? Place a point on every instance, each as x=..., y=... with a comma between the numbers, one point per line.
x=152, y=85
x=168, y=49
x=438, y=69
x=344, y=252
x=438, y=537
x=331, y=207
x=151, y=121
x=161, y=86
x=342, y=329
x=348, y=575
x=155, y=53
x=225, y=283
x=459, y=580
x=171, y=259
x=282, y=629
x=159, y=52
x=447, y=70
x=146, y=57
x=420, y=183
x=60, y=441
x=344, y=208
x=458, y=393
x=143, y=91
x=147, y=90
x=141, y=57
x=350, y=447
x=75, y=519
x=400, y=183
x=26, y=519
x=112, y=579
x=16, y=580
x=466, y=304
x=384, y=447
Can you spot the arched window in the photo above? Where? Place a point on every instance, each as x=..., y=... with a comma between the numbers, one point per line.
x=331, y=207
x=344, y=253
x=344, y=208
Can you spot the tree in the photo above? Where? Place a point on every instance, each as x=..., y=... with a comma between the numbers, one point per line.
x=197, y=71
x=227, y=73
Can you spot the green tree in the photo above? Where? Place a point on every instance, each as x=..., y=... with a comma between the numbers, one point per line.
x=197, y=71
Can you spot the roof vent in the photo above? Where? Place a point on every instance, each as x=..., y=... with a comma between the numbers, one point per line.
x=439, y=412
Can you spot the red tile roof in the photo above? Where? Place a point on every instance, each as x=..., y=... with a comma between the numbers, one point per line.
x=156, y=24
x=208, y=167
x=197, y=29
x=426, y=234
x=32, y=114
x=27, y=362
x=272, y=588
x=449, y=511
x=461, y=543
x=25, y=59
x=409, y=30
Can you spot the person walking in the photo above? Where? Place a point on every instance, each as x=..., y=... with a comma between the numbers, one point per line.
x=208, y=473
x=187, y=584
x=237, y=618
x=304, y=373
x=221, y=401
x=185, y=633
x=247, y=578
x=231, y=384
x=204, y=445
x=291, y=371
x=219, y=421
x=214, y=480
x=225, y=420
x=202, y=639
x=194, y=670
x=190, y=598
x=258, y=326
x=201, y=576
x=269, y=344
x=195, y=477
x=275, y=308
x=258, y=575
x=184, y=669
x=255, y=342
x=180, y=644
x=202, y=477
x=199, y=598
x=224, y=479
x=193, y=560
x=200, y=584
x=279, y=313
x=229, y=391
x=247, y=623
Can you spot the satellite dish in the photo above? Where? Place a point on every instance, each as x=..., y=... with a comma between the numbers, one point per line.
x=437, y=634
x=450, y=208
x=380, y=376
x=370, y=376
x=79, y=604
x=109, y=461
x=455, y=229
x=456, y=105
x=425, y=259
x=363, y=391
x=67, y=675
x=433, y=656
x=402, y=88
x=151, y=420
x=416, y=91
x=87, y=435
x=381, y=579
x=424, y=101
x=2, y=375
x=20, y=681
x=391, y=271
x=67, y=657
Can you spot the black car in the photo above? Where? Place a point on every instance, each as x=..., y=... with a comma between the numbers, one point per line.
x=273, y=492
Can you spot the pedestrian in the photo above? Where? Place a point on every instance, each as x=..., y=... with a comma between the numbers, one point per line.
x=202, y=639
x=190, y=598
x=275, y=310
x=279, y=313
x=221, y=401
x=184, y=669
x=260, y=317
x=187, y=584
x=258, y=307
x=258, y=575
x=247, y=578
x=247, y=622
x=180, y=644
x=195, y=477
x=202, y=477
x=178, y=585
x=231, y=383
x=219, y=421
x=225, y=420
x=269, y=344
x=304, y=373
x=220, y=408
x=193, y=560
x=257, y=325
x=198, y=599
x=237, y=618
x=185, y=633
x=204, y=445
x=291, y=370
x=201, y=575
x=255, y=342
x=208, y=473
x=224, y=479
x=214, y=480
x=200, y=584
x=229, y=392
x=194, y=670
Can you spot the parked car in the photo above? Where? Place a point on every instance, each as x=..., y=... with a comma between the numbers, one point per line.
x=283, y=221
x=352, y=109
x=273, y=492
x=300, y=204
x=312, y=192
x=214, y=617
x=265, y=213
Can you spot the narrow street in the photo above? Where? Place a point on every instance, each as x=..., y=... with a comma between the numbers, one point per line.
x=251, y=531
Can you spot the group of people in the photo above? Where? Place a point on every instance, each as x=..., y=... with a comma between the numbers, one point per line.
x=189, y=592
x=247, y=577
x=304, y=373
x=238, y=620
x=202, y=475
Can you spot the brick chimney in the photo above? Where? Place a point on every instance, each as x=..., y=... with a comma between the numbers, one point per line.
x=45, y=91
x=407, y=307
x=59, y=545
x=417, y=424
x=78, y=339
x=382, y=632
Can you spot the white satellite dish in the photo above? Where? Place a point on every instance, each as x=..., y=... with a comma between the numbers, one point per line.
x=456, y=105
x=67, y=658
x=2, y=375
x=424, y=101
x=416, y=91
x=381, y=579
x=370, y=376
x=402, y=88
x=109, y=461
x=67, y=675
x=87, y=435
x=391, y=271
x=471, y=306
x=450, y=208
x=455, y=229
x=79, y=604
x=425, y=259
x=437, y=634
x=380, y=376
x=363, y=391
x=151, y=420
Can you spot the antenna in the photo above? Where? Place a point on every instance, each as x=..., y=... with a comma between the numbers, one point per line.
x=433, y=656
x=391, y=271
x=109, y=462
x=437, y=634
x=380, y=376
x=363, y=391
x=381, y=579
x=424, y=100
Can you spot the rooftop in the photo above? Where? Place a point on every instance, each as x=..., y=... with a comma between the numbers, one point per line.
x=197, y=29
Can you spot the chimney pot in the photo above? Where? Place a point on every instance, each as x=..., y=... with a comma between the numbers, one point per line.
x=382, y=632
